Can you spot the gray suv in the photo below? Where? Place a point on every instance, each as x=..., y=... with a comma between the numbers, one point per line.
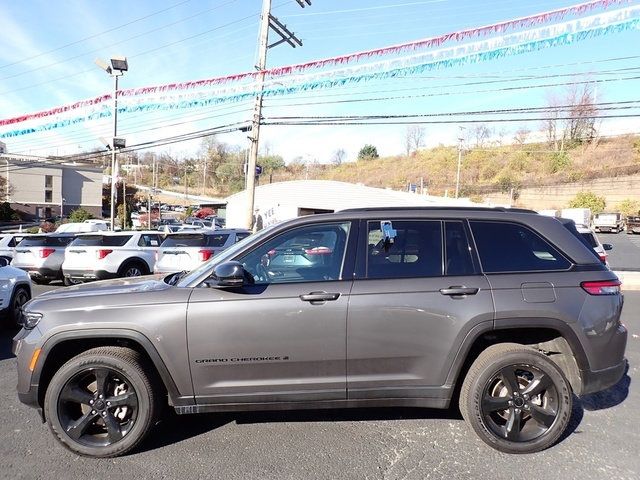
x=506, y=312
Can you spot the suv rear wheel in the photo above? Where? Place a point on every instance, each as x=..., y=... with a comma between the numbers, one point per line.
x=516, y=399
x=132, y=269
x=102, y=403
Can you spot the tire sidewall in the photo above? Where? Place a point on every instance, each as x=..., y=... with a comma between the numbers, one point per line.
x=540, y=362
x=132, y=264
x=78, y=364
x=14, y=297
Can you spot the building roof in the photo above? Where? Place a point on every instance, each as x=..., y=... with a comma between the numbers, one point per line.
x=333, y=195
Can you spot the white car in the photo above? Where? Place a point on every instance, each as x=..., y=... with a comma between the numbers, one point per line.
x=82, y=227
x=99, y=256
x=593, y=240
x=187, y=250
x=15, y=291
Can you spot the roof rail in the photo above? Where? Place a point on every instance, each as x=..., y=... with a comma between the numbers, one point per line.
x=452, y=208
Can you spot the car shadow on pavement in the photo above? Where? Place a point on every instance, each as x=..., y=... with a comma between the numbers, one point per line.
x=175, y=428
x=6, y=340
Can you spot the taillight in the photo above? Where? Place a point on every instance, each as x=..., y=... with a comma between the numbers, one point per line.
x=603, y=287
x=45, y=252
x=603, y=257
x=205, y=255
x=103, y=252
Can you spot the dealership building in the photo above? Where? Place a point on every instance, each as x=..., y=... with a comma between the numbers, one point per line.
x=275, y=202
x=40, y=187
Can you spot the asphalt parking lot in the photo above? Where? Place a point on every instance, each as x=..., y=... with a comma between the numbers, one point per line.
x=626, y=250
x=376, y=443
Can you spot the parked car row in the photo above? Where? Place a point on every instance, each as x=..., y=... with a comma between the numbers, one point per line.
x=101, y=255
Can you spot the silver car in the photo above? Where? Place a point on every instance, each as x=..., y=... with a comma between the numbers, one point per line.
x=187, y=250
x=42, y=256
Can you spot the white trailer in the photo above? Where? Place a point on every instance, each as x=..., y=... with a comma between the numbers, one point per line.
x=608, y=222
x=581, y=216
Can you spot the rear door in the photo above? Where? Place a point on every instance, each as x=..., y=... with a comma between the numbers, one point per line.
x=148, y=245
x=415, y=299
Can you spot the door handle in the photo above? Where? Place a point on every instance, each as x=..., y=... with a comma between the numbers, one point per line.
x=319, y=297
x=459, y=291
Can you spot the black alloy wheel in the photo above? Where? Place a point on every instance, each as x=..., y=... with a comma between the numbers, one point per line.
x=516, y=399
x=132, y=270
x=97, y=407
x=520, y=403
x=103, y=402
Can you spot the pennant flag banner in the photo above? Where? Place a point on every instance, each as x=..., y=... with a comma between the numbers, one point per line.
x=565, y=33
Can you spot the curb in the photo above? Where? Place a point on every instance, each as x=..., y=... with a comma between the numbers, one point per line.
x=630, y=280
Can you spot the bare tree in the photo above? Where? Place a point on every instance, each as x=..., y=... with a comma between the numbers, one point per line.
x=414, y=138
x=481, y=134
x=521, y=136
x=338, y=156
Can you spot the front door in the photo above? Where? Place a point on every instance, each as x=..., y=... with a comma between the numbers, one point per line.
x=416, y=297
x=282, y=338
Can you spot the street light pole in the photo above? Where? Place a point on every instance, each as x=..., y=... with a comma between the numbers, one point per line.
x=114, y=173
x=460, y=140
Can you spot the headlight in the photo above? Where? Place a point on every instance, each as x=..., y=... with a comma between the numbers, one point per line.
x=30, y=319
x=6, y=284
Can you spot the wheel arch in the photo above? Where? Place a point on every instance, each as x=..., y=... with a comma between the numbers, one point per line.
x=63, y=346
x=552, y=337
x=130, y=260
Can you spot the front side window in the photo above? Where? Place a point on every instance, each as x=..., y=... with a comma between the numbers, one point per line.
x=415, y=251
x=510, y=247
x=313, y=253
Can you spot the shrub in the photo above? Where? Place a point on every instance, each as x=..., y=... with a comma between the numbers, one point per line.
x=629, y=207
x=588, y=200
x=79, y=215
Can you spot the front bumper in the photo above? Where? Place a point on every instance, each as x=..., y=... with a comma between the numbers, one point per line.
x=24, y=345
x=598, y=380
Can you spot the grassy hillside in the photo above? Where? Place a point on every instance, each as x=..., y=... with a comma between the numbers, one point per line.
x=484, y=169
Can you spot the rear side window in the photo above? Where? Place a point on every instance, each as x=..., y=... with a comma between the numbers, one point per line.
x=510, y=247
x=241, y=236
x=216, y=240
x=149, y=240
x=416, y=250
x=45, y=241
x=184, y=240
x=101, y=241
x=457, y=252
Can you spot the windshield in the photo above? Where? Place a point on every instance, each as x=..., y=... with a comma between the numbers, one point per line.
x=204, y=270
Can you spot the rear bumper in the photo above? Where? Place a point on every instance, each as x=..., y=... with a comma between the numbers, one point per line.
x=42, y=273
x=89, y=274
x=598, y=380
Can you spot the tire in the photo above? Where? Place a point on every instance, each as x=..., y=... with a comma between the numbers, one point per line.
x=20, y=296
x=90, y=425
x=132, y=269
x=531, y=420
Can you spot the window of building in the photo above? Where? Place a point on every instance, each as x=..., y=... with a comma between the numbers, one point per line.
x=510, y=247
x=48, y=188
x=48, y=181
x=48, y=196
x=416, y=250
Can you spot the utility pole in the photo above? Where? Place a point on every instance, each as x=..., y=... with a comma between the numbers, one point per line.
x=266, y=21
x=460, y=140
x=204, y=177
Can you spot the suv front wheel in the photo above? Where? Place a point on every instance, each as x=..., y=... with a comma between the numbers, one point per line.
x=102, y=403
x=516, y=399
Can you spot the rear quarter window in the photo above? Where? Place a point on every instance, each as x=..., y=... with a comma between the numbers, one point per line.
x=217, y=240
x=45, y=241
x=511, y=247
x=184, y=240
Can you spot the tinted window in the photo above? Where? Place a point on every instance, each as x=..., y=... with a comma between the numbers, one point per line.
x=590, y=238
x=509, y=247
x=241, y=236
x=457, y=251
x=216, y=240
x=184, y=240
x=45, y=241
x=416, y=251
x=305, y=254
x=101, y=241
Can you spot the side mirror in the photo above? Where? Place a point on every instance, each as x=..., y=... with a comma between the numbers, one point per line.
x=228, y=274
x=3, y=262
x=607, y=246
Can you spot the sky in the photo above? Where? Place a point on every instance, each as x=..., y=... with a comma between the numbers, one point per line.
x=47, y=53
